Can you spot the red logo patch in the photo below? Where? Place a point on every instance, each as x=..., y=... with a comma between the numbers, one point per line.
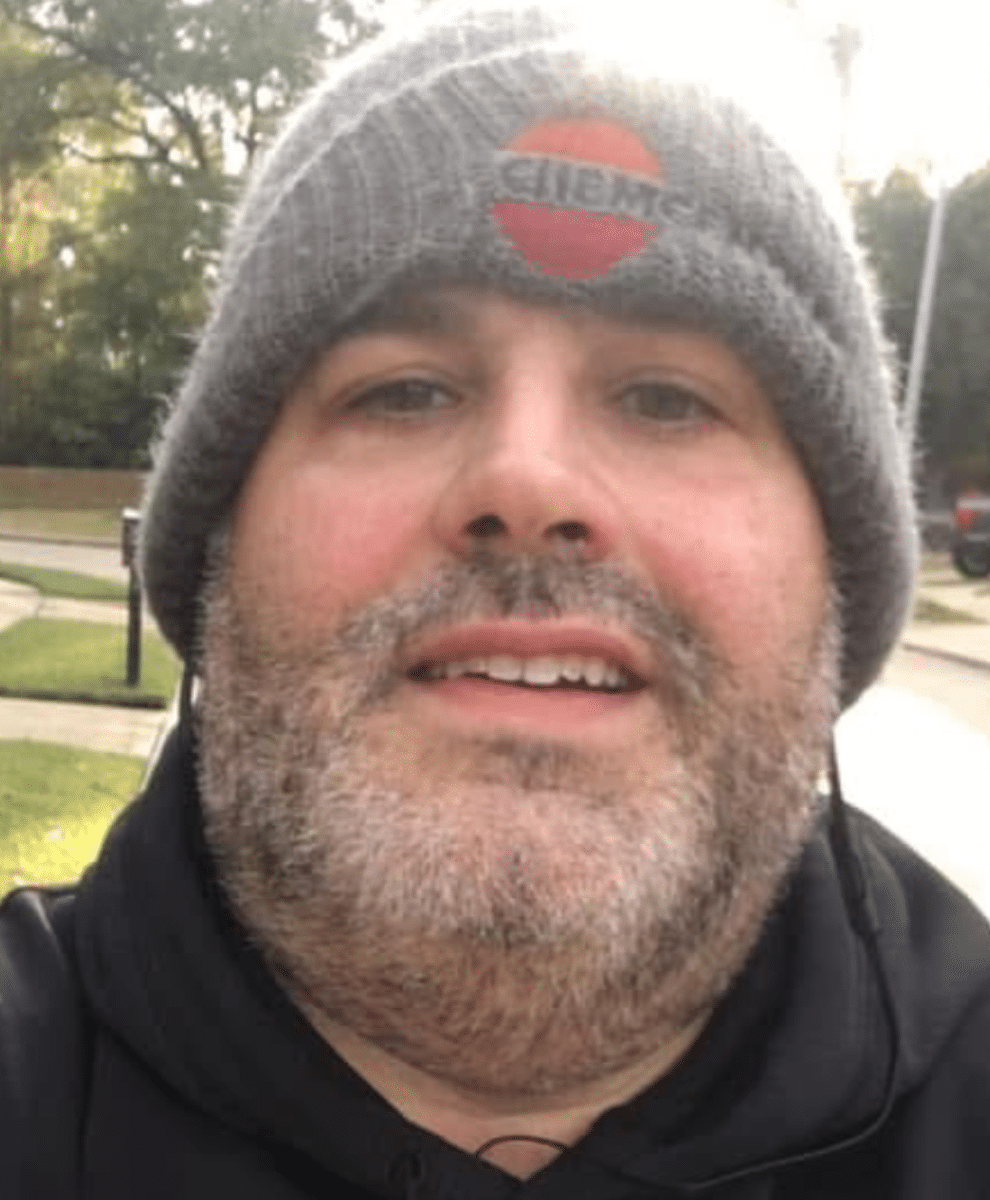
x=577, y=196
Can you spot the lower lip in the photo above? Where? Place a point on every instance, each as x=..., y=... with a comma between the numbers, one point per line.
x=495, y=704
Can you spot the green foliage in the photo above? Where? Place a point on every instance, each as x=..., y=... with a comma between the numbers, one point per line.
x=193, y=76
x=82, y=661
x=70, y=585
x=893, y=225
x=29, y=83
x=55, y=805
x=956, y=398
x=90, y=524
x=131, y=122
x=33, y=106
x=955, y=402
x=126, y=310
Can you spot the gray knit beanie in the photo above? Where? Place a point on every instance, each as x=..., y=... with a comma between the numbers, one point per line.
x=504, y=146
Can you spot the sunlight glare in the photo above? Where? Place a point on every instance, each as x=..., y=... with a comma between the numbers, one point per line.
x=752, y=50
x=921, y=84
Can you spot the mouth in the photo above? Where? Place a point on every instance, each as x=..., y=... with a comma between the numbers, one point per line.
x=532, y=656
x=571, y=680
x=570, y=672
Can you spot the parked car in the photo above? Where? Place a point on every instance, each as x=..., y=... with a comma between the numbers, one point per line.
x=971, y=536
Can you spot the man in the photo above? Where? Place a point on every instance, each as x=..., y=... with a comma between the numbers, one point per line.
x=533, y=505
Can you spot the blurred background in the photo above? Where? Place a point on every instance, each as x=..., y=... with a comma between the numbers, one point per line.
x=126, y=129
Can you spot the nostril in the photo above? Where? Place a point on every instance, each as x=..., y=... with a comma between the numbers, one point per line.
x=571, y=531
x=487, y=526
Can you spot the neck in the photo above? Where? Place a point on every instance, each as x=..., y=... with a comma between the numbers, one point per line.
x=469, y=1120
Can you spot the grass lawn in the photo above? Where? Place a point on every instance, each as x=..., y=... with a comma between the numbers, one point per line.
x=69, y=584
x=55, y=805
x=83, y=661
x=97, y=523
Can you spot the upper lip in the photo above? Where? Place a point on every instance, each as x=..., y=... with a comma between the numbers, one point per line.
x=528, y=639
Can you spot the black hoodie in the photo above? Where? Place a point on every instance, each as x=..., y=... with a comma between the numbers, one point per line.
x=145, y=1052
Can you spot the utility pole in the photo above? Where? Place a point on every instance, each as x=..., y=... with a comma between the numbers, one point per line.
x=923, y=316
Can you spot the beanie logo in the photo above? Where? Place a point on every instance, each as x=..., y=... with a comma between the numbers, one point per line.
x=577, y=196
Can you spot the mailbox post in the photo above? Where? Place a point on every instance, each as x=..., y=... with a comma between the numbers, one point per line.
x=130, y=520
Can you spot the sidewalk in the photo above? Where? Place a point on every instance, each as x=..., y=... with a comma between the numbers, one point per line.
x=956, y=641
x=89, y=726
x=17, y=601
x=135, y=731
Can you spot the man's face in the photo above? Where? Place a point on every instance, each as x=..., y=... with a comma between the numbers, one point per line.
x=518, y=669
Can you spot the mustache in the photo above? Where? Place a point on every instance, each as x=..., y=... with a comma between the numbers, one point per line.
x=369, y=639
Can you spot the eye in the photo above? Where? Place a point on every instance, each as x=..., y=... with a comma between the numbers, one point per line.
x=402, y=398
x=665, y=401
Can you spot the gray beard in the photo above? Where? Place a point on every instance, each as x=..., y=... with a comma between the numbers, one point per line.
x=515, y=917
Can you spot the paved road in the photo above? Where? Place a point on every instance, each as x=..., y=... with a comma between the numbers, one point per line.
x=963, y=690
x=907, y=760
x=915, y=752
x=102, y=561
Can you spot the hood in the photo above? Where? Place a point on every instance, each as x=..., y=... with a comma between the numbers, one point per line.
x=806, y=1053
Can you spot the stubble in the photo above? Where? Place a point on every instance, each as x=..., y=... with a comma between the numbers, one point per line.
x=514, y=916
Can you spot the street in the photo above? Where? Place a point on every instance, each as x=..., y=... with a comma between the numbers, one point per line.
x=914, y=752
x=963, y=690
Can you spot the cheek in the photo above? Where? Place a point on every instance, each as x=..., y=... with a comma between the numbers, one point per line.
x=747, y=558
x=317, y=542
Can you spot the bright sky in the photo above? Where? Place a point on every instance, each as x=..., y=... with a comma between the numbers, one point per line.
x=921, y=79
x=921, y=83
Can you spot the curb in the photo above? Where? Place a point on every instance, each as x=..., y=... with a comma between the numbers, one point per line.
x=964, y=660
x=147, y=701
x=64, y=540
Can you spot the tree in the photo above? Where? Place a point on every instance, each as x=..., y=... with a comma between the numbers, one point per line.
x=124, y=313
x=956, y=428
x=172, y=100
x=200, y=82
x=31, y=108
x=892, y=223
x=954, y=431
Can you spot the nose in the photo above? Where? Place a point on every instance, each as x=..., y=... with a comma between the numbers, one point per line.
x=526, y=482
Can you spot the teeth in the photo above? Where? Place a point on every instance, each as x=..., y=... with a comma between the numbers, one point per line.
x=504, y=669
x=572, y=669
x=543, y=671
x=594, y=672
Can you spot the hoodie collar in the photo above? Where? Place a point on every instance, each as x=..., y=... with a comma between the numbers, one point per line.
x=793, y=1059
